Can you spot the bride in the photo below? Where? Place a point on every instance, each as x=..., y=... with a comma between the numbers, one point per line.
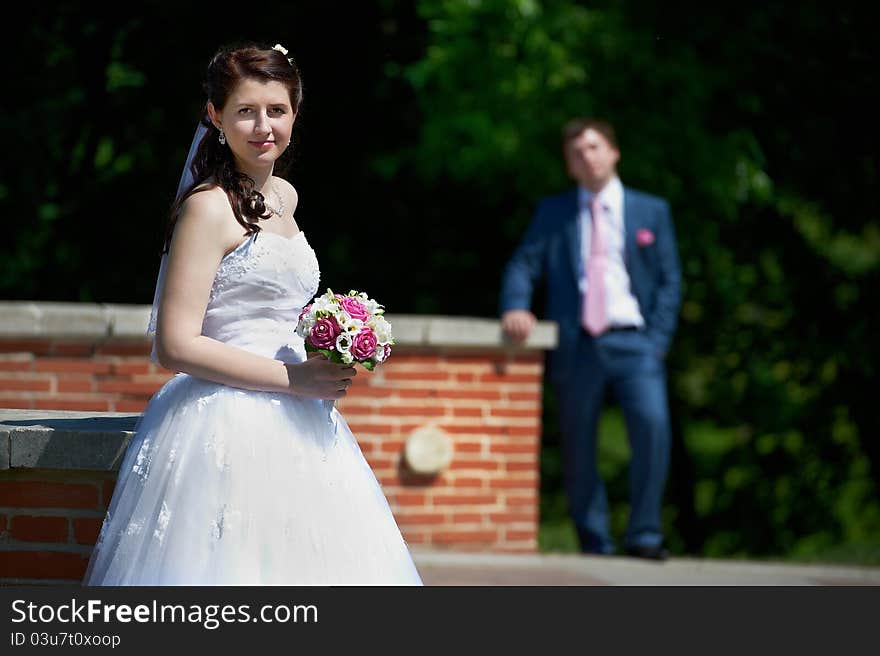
x=234, y=475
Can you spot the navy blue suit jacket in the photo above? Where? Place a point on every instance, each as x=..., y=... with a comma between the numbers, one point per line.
x=550, y=250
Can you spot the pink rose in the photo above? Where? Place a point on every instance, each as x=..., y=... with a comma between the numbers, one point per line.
x=324, y=333
x=354, y=308
x=363, y=344
x=644, y=237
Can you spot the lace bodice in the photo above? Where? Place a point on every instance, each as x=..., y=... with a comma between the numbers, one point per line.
x=259, y=290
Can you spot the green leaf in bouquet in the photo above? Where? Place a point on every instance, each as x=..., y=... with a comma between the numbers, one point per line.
x=333, y=356
x=369, y=365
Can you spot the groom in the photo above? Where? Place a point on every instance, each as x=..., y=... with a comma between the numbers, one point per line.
x=613, y=285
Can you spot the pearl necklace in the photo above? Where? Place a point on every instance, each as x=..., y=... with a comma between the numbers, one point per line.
x=280, y=210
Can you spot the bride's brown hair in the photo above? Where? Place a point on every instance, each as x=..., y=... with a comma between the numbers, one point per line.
x=228, y=67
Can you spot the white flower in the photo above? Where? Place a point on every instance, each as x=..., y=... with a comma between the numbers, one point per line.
x=280, y=48
x=325, y=303
x=371, y=306
x=382, y=327
x=379, y=356
x=348, y=324
x=343, y=345
x=305, y=325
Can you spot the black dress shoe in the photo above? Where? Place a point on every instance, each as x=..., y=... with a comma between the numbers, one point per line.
x=652, y=553
x=592, y=552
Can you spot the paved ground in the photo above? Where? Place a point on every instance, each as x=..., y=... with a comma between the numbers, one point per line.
x=438, y=568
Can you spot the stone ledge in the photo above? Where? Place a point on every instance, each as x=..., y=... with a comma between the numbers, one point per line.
x=44, y=319
x=64, y=439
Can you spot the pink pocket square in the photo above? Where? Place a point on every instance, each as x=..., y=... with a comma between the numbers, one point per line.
x=644, y=237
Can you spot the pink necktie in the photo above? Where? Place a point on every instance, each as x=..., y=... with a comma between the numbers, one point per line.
x=595, y=316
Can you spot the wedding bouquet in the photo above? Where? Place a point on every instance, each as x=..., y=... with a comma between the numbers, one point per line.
x=346, y=328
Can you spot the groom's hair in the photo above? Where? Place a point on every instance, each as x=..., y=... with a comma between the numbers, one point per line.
x=576, y=126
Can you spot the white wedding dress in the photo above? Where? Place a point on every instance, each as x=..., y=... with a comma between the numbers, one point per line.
x=227, y=486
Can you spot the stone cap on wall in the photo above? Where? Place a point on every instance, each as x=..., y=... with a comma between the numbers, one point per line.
x=46, y=319
x=64, y=439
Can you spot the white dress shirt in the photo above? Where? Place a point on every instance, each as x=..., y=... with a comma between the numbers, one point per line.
x=623, y=308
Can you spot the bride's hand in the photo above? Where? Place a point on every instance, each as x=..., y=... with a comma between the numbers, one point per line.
x=319, y=378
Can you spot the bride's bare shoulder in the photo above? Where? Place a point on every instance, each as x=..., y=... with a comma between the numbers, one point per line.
x=290, y=195
x=206, y=199
x=208, y=213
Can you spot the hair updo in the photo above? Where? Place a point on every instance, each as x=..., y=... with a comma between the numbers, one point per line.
x=227, y=68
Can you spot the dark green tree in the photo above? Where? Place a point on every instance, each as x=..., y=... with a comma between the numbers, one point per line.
x=429, y=130
x=754, y=125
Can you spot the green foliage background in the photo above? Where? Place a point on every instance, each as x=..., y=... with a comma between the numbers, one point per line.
x=432, y=128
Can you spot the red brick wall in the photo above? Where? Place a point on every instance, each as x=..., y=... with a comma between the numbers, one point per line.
x=488, y=402
x=488, y=497
x=49, y=521
x=70, y=375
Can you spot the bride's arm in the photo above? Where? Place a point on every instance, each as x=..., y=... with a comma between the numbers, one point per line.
x=201, y=238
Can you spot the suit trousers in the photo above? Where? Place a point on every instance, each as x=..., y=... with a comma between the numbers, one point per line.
x=624, y=361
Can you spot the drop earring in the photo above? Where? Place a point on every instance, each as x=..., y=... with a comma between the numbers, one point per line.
x=222, y=137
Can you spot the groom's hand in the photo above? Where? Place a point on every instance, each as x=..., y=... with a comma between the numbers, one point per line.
x=518, y=324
